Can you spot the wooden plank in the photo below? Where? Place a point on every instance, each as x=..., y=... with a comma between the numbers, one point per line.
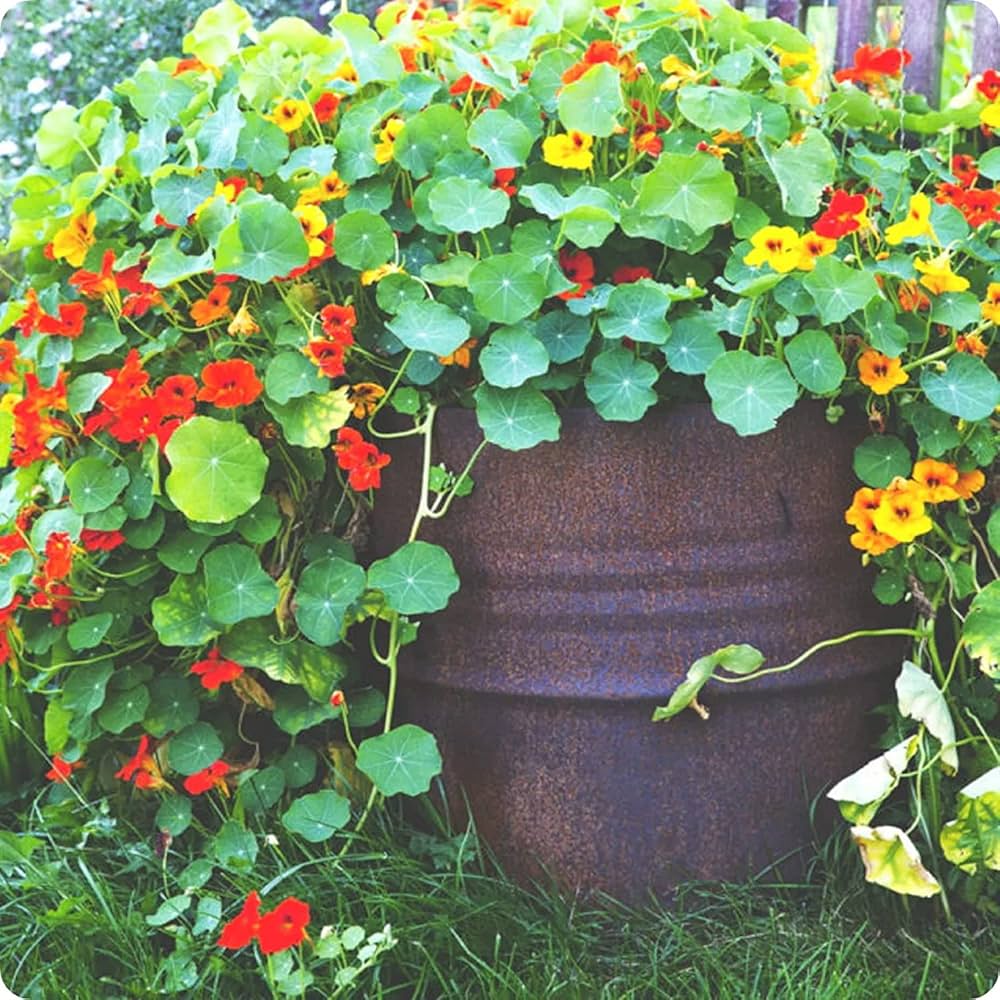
x=986, y=46
x=855, y=25
x=787, y=10
x=923, y=37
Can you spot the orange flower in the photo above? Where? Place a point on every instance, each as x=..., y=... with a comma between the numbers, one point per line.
x=326, y=107
x=227, y=384
x=96, y=285
x=971, y=343
x=314, y=225
x=213, y=307
x=901, y=513
x=912, y=298
x=990, y=307
x=937, y=480
x=214, y=671
x=647, y=142
x=969, y=482
x=880, y=373
x=73, y=241
x=813, y=246
x=462, y=355
x=364, y=397
x=329, y=188
x=872, y=63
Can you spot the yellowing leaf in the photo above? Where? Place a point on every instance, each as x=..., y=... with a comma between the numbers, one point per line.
x=892, y=861
x=981, y=633
x=860, y=794
x=216, y=33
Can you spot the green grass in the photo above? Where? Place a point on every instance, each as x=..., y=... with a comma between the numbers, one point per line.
x=72, y=925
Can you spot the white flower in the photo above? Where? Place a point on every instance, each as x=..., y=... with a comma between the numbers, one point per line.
x=271, y=840
x=141, y=41
x=8, y=147
x=327, y=8
x=40, y=49
x=36, y=85
x=61, y=61
x=39, y=107
x=48, y=29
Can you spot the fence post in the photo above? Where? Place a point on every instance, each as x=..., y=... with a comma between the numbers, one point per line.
x=923, y=38
x=986, y=46
x=855, y=24
x=788, y=10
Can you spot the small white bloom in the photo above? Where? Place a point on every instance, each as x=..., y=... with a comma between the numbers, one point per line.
x=61, y=61
x=52, y=26
x=40, y=49
x=141, y=41
x=8, y=147
x=325, y=932
x=271, y=840
x=36, y=85
x=327, y=8
x=40, y=107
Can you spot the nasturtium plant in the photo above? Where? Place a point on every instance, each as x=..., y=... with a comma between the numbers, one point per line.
x=252, y=268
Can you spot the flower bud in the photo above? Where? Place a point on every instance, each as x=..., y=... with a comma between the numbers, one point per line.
x=337, y=699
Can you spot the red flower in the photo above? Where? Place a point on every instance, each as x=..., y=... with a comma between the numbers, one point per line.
x=69, y=322
x=503, y=180
x=243, y=928
x=989, y=85
x=871, y=63
x=28, y=321
x=965, y=170
x=284, y=927
x=58, y=556
x=210, y=777
x=62, y=769
x=625, y=275
x=842, y=216
x=143, y=768
x=578, y=266
x=597, y=52
x=142, y=296
x=360, y=459
x=100, y=541
x=214, y=671
x=175, y=396
x=8, y=360
x=338, y=322
x=126, y=382
x=647, y=142
x=326, y=107
x=229, y=383
x=327, y=355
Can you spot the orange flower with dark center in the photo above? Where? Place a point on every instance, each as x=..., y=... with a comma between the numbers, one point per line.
x=284, y=927
x=364, y=397
x=965, y=170
x=912, y=297
x=866, y=501
x=214, y=671
x=812, y=246
x=73, y=241
x=213, y=776
x=212, y=307
x=8, y=361
x=97, y=284
x=338, y=321
x=989, y=85
x=327, y=356
x=647, y=142
x=936, y=479
x=360, y=459
x=880, y=373
x=990, y=307
x=27, y=323
x=971, y=343
x=503, y=180
x=901, y=513
x=227, y=384
x=69, y=322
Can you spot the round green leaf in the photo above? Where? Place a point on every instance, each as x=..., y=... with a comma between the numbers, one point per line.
x=183, y=550
x=512, y=356
x=695, y=189
x=404, y=760
x=839, y=290
x=85, y=686
x=318, y=816
x=592, y=103
x=124, y=708
x=217, y=470
x=428, y=137
x=295, y=711
x=430, y=326
x=505, y=140
x=326, y=589
x=564, y=335
x=219, y=134
x=308, y=421
x=94, y=485
x=467, y=206
x=262, y=789
x=363, y=240
x=290, y=374
x=177, y=196
x=515, y=419
x=879, y=459
x=84, y=391
x=235, y=847
x=262, y=144
x=236, y=586
x=180, y=617
x=299, y=766
x=86, y=633
x=172, y=705
x=815, y=361
x=748, y=392
x=194, y=748
x=637, y=310
x=966, y=389
x=506, y=287
x=714, y=108
x=416, y=579
x=803, y=170
x=174, y=815
x=216, y=34
x=264, y=242
x=620, y=385
x=261, y=523
x=694, y=344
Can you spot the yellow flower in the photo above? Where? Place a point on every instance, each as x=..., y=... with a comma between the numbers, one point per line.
x=329, y=188
x=990, y=308
x=802, y=70
x=314, y=224
x=990, y=115
x=938, y=276
x=73, y=241
x=778, y=246
x=812, y=247
x=364, y=397
x=376, y=274
x=570, y=150
x=901, y=513
x=387, y=138
x=881, y=373
x=8, y=401
x=690, y=8
x=724, y=136
x=916, y=223
x=936, y=480
x=290, y=114
x=243, y=324
x=678, y=72
x=346, y=72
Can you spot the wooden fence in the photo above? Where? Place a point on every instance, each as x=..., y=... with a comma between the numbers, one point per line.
x=923, y=36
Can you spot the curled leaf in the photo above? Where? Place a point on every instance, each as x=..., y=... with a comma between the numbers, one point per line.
x=736, y=659
x=891, y=860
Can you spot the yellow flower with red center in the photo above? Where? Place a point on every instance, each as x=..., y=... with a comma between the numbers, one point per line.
x=690, y=8
x=801, y=70
x=364, y=397
x=969, y=482
x=462, y=355
x=881, y=373
x=570, y=150
x=990, y=306
x=936, y=479
x=813, y=246
x=346, y=72
x=917, y=222
x=330, y=188
x=314, y=224
x=938, y=277
x=678, y=72
x=73, y=241
x=290, y=114
x=387, y=136
x=777, y=246
x=901, y=513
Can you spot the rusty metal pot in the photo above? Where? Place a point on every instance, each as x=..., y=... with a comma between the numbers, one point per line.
x=594, y=571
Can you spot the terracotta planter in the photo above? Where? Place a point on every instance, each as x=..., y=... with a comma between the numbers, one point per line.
x=594, y=571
